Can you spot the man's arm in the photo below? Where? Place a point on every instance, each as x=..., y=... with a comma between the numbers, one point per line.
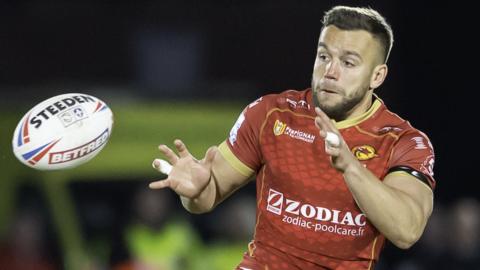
x=201, y=184
x=398, y=207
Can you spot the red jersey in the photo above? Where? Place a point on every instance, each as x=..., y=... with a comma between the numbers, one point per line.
x=304, y=207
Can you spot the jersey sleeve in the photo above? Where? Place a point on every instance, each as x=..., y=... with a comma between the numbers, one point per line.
x=242, y=149
x=413, y=154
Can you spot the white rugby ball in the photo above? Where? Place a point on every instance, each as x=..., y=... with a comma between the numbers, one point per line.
x=62, y=132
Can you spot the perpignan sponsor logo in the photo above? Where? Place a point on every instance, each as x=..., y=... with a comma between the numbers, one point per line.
x=280, y=128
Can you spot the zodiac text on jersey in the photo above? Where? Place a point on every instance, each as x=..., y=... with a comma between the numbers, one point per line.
x=316, y=218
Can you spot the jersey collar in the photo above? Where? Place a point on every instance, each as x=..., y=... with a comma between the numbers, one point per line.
x=377, y=103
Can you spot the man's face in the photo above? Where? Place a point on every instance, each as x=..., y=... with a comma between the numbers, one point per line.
x=343, y=69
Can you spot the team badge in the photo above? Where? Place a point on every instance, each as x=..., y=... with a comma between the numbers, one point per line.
x=279, y=128
x=364, y=152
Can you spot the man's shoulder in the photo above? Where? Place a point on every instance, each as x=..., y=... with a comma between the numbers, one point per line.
x=288, y=99
x=390, y=122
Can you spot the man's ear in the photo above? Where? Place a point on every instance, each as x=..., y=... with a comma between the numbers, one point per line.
x=378, y=76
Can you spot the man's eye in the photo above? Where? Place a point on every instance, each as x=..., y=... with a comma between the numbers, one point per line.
x=349, y=64
x=323, y=57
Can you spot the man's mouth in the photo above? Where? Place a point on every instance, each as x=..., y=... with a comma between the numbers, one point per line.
x=329, y=91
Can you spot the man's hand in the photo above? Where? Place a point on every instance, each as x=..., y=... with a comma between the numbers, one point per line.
x=189, y=176
x=341, y=156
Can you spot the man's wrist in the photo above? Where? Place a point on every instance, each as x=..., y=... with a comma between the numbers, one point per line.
x=201, y=202
x=353, y=168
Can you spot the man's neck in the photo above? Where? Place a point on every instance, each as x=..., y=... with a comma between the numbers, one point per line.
x=361, y=107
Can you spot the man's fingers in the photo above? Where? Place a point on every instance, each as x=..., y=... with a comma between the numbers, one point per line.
x=171, y=156
x=324, y=129
x=320, y=122
x=321, y=114
x=162, y=166
x=324, y=121
x=332, y=150
x=328, y=131
x=181, y=148
x=160, y=184
x=332, y=139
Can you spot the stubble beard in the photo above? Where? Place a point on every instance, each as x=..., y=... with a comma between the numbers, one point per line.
x=340, y=110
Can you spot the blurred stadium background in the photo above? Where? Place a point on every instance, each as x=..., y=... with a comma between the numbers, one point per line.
x=186, y=69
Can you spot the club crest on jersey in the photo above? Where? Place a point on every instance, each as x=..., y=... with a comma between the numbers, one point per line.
x=279, y=128
x=364, y=152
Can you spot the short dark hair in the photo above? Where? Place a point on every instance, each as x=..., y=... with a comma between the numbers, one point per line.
x=360, y=18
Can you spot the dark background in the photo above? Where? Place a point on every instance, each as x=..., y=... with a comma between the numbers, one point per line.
x=205, y=49
x=239, y=50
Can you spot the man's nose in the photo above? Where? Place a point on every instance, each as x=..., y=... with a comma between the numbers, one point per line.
x=332, y=71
